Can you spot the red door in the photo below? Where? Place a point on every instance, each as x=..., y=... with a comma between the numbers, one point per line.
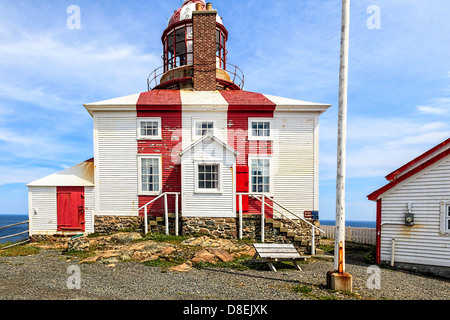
x=70, y=206
x=242, y=186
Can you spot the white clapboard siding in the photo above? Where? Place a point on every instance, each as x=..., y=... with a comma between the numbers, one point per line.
x=213, y=205
x=89, y=208
x=116, y=163
x=42, y=209
x=293, y=162
x=422, y=243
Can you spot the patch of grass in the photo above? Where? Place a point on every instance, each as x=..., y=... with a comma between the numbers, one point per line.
x=78, y=254
x=369, y=258
x=237, y=264
x=327, y=248
x=302, y=289
x=21, y=250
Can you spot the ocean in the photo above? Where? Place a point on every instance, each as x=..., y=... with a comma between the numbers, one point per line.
x=351, y=223
x=6, y=220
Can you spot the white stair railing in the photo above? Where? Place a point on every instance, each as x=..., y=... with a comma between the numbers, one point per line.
x=263, y=202
x=166, y=212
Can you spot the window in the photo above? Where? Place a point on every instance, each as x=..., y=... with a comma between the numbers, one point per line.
x=150, y=175
x=208, y=177
x=221, y=53
x=447, y=218
x=149, y=128
x=203, y=127
x=178, y=48
x=260, y=129
x=260, y=175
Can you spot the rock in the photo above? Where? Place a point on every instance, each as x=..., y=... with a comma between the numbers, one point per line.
x=204, y=256
x=167, y=251
x=222, y=255
x=250, y=251
x=90, y=259
x=141, y=256
x=182, y=267
x=125, y=237
x=78, y=244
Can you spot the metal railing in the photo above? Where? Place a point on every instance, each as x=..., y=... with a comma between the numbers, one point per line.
x=263, y=202
x=166, y=212
x=15, y=235
x=236, y=76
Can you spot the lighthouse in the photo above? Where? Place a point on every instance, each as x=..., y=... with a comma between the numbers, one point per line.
x=195, y=153
x=194, y=52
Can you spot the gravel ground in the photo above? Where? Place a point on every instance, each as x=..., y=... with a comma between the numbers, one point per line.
x=44, y=277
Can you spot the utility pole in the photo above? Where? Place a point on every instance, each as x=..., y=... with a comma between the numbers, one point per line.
x=338, y=279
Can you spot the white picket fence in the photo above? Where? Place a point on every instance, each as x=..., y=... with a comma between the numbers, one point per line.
x=353, y=234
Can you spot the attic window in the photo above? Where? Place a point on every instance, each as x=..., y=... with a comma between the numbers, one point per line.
x=203, y=127
x=149, y=128
x=260, y=129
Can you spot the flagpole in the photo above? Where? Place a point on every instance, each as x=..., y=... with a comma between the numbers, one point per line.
x=338, y=279
x=339, y=248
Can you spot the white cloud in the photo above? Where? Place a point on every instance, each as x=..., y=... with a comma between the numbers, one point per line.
x=376, y=146
x=439, y=106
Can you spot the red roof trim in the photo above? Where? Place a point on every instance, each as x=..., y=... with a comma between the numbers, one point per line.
x=240, y=100
x=391, y=176
x=375, y=195
x=167, y=100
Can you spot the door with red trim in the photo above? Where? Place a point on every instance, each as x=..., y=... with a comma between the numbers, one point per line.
x=242, y=185
x=70, y=209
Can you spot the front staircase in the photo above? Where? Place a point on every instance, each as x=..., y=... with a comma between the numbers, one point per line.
x=285, y=227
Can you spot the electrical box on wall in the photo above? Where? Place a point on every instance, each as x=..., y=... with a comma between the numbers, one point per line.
x=409, y=216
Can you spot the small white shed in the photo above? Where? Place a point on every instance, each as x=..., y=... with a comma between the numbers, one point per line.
x=63, y=203
x=413, y=213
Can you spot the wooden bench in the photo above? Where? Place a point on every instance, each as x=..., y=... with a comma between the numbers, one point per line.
x=275, y=252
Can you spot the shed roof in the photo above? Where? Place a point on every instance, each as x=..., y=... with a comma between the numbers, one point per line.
x=81, y=175
x=413, y=167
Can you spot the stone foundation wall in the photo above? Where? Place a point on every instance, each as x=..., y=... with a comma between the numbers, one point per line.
x=274, y=230
x=220, y=227
x=108, y=224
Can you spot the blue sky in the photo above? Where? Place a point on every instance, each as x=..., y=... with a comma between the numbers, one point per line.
x=399, y=80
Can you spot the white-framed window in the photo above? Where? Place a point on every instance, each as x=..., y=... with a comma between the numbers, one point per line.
x=149, y=128
x=260, y=129
x=208, y=177
x=260, y=174
x=445, y=218
x=201, y=127
x=150, y=174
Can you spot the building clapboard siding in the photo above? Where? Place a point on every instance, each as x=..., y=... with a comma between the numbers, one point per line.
x=116, y=170
x=294, y=162
x=421, y=243
x=42, y=209
x=419, y=190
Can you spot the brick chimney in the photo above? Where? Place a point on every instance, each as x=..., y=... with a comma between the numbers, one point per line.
x=204, y=27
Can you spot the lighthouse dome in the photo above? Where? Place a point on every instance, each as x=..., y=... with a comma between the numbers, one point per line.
x=185, y=12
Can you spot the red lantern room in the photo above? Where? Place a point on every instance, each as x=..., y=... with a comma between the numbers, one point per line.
x=194, y=52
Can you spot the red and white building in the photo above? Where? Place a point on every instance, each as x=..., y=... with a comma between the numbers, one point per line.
x=195, y=136
x=413, y=213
